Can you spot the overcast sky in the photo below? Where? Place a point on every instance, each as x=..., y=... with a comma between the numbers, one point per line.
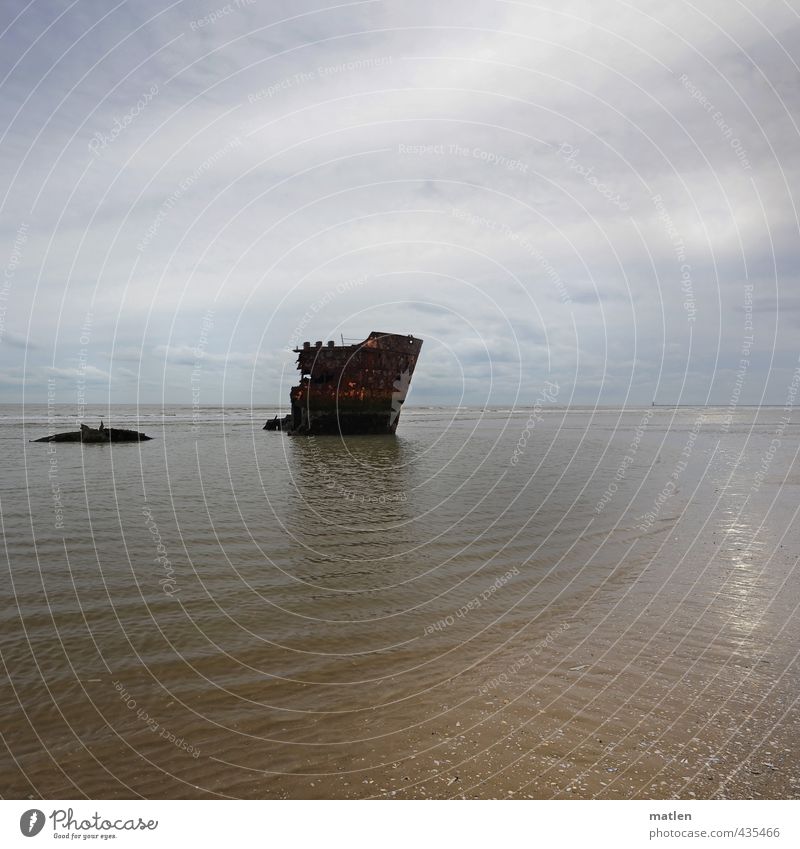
x=600, y=194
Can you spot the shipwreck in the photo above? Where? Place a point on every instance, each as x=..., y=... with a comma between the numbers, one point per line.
x=100, y=434
x=351, y=389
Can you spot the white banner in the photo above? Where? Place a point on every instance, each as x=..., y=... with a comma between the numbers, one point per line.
x=388, y=824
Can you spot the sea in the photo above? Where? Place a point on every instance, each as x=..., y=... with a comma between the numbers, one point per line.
x=537, y=602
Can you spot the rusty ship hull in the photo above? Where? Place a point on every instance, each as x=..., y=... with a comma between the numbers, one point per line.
x=351, y=389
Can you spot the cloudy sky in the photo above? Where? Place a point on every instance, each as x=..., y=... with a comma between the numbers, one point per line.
x=596, y=193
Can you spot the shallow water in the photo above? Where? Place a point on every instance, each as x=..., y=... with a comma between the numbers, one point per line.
x=610, y=611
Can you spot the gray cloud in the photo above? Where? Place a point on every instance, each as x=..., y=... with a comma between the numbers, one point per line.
x=15, y=340
x=585, y=192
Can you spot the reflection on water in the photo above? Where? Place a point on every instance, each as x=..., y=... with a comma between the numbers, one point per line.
x=612, y=614
x=351, y=484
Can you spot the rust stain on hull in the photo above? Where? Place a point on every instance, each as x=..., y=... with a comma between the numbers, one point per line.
x=351, y=389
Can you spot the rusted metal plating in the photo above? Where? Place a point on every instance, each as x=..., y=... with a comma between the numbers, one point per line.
x=351, y=388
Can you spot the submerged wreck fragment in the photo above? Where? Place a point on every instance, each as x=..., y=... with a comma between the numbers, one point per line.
x=96, y=434
x=351, y=389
